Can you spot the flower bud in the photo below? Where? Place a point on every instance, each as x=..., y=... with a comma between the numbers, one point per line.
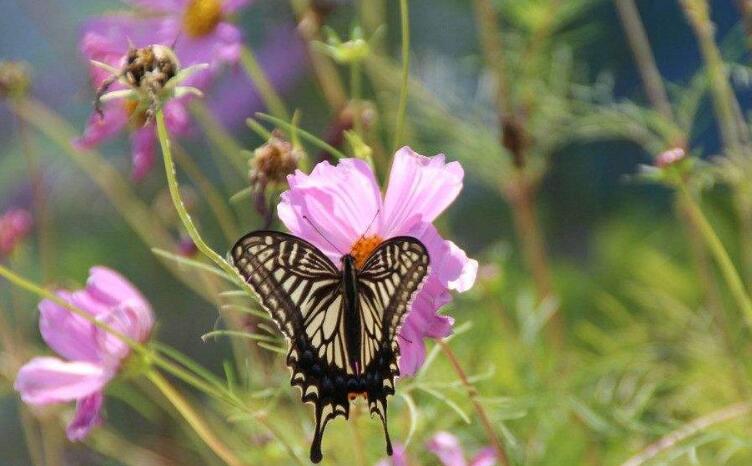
x=14, y=79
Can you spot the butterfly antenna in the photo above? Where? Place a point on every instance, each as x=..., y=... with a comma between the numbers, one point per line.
x=370, y=224
x=322, y=235
x=175, y=42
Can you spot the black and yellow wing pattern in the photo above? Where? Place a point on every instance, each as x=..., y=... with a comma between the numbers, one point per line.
x=339, y=348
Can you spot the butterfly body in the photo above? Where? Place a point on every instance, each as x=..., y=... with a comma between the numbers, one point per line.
x=342, y=323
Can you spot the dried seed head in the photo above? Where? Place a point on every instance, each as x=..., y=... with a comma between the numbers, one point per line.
x=146, y=71
x=270, y=165
x=273, y=161
x=14, y=79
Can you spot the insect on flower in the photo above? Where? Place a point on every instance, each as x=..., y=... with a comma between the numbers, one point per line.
x=151, y=74
x=345, y=321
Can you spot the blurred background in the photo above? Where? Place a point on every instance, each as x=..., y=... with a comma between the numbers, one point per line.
x=640, y=350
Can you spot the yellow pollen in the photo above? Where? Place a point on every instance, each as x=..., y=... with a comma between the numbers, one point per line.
x=363, y=248
x=201, y=17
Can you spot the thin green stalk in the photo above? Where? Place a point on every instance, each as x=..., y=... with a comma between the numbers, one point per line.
x=402, y=107
x=303, y=135
x=214, y=199
x=640, y=46
x=219, y=137
x=725, y=264
x=136, y=214
x=323, y=68
x=134, y=345
x=734, y=131
x=355, y=93
x=185, y=217
x=472, y=393
x=267, y=92
x=194, y=420
x=39, y=201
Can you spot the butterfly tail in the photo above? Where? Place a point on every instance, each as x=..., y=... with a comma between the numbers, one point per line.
x=315, y=454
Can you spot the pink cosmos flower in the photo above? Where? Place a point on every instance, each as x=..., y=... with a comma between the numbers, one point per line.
x=399, y=457
x=91, y=356
x=343, y=200
x=447, y=447
x=15, y=224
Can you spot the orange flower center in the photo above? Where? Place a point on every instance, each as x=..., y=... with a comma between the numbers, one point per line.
x=201, y=17
x=363, y=248
x=136, y=116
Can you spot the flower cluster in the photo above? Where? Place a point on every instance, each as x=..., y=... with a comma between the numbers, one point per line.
x=344, y=204
x=91, y=356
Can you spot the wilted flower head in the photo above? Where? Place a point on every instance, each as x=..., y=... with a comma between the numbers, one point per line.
x=343, y=200
x=447, y=447
x=14, y=79
x=15, y=224
x=271, y=164
x=137, y=79
x=670, y=157
x=91, y=356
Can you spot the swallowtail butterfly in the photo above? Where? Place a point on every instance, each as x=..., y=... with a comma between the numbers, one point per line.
x=342, y=324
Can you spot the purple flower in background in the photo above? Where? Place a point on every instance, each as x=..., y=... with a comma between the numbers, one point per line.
x=91, y=356
x=343, y=200
x=447, y=447
x=398, y=458
x=15, y=224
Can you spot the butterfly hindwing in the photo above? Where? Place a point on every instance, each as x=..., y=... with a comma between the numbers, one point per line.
x=304, y=293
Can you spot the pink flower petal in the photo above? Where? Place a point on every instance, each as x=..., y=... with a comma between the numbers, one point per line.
x=100, y=128
x=111, y=288
x=485, y=457
x=143, y=142
x=130, y=318
x=447, y=447
x=86, y=418
x=398, y=458
x=46, y=380
x=68, y=334
x=176, y=115
x=419, y=189
x=341, y=201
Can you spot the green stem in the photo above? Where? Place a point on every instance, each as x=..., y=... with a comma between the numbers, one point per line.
x=270, y=97
x=402, y=108
x=303, y=135
x=172, y=184
x=136, y=214
x=728, y=270
x=472, y=393
x=355, y=92
x=213, y=197
x=194, y=419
